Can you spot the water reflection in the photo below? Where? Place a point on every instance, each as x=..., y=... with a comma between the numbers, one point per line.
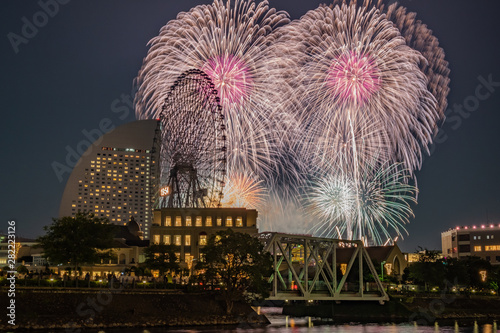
x=301, y=326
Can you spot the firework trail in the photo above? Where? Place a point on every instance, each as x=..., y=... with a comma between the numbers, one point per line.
x=420, y=38
x=353, y=66
x=369, y=93
x=333, y=109
x=228, y=41
x=244, y=191
x=385, y=198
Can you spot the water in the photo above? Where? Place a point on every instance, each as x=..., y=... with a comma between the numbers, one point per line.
x=367, y=328
x=301, y=325
x=282, y=324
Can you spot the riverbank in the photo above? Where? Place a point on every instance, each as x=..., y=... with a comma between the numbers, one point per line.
x=400, y=309
x=113, y=308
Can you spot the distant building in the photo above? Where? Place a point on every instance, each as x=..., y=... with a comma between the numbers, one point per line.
x=190, y=228
x=22, y=248
x=128, y=248
x=389, y=257
x=423, y=255
x=480, y=241
x=117, y=176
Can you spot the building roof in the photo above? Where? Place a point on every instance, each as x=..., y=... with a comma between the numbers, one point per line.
x=123, y=233
x=470, y=228
x=378, y=253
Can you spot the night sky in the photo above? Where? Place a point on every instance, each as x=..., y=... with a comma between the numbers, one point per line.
x=78, y=68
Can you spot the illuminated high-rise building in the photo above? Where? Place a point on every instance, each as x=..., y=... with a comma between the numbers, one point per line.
x=117, y=176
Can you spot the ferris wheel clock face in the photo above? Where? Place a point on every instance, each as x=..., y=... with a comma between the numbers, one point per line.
x=165, y=191
x=193, y=149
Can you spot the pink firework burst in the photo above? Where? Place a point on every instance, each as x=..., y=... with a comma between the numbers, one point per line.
x=231, y=77
x=353, y=78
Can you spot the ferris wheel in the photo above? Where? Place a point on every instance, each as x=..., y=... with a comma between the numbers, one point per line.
x=193, y=151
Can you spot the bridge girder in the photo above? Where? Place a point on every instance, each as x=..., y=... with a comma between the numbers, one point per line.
x=315, y=275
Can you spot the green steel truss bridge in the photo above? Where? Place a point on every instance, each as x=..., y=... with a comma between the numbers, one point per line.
x=311, y=268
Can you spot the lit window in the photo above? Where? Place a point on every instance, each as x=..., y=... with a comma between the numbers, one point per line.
x=477, y=248
x=229, y=221
x=478, y=237
x=475, y=237
x=188, y=221
x=239, y=221
x=168, y=221
x=166, y=239
x=178, y=221
x=203, y=239
x=487, y=236
x=177, y=240
x=198, y=221
x=156, y=239
x=187, y=240
x=219, y=221
x=492, y=248
x=208, y=221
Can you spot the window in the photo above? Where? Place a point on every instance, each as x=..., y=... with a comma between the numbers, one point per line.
x=208, y=221
x=492, y=236
x=239, y=221
x=198, y=221
x=177, y=240
x=477, y=248
x=465, y=237
x=166, y=239
x=229, y=221
x=475, y=237
x=156, y=239
x=219, y=221
x=178, y=221
x=487, y=236
x=187, y=240
x=168, y=221
x=497, y=258
x=492, y=248
x=203, y=240
x=188, y=221
x=464, y=248
x=478, y=237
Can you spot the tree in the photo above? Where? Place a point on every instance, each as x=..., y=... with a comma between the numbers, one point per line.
x=162, y=257
x=76, y=240
x=428, y=270
x=237, y=262
x=22, y=269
